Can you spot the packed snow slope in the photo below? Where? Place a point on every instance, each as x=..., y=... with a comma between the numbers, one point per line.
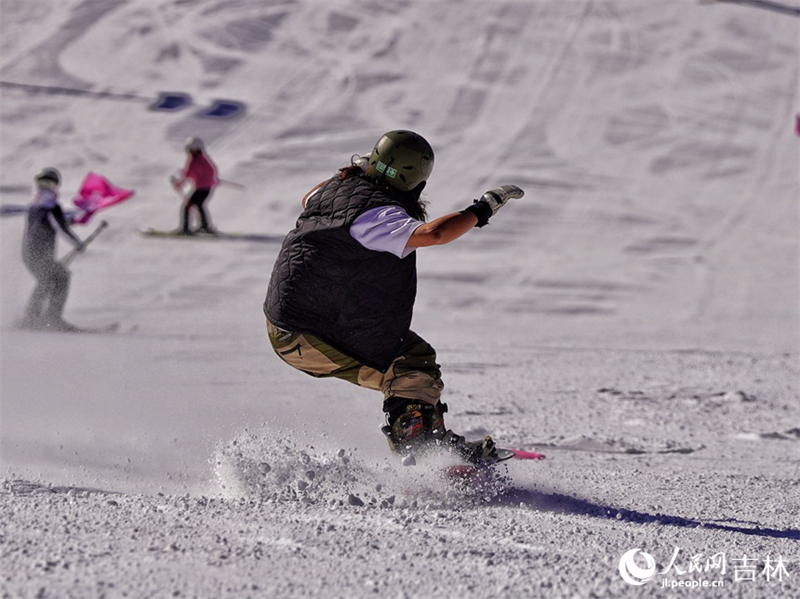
x=635, y=317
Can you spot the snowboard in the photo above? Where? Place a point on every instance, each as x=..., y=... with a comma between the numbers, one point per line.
x=218, y=236
x=477, y=473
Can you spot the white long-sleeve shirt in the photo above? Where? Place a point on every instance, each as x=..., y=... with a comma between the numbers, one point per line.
x=385, y=229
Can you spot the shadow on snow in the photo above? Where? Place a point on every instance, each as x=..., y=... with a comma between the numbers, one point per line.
x=558, y=503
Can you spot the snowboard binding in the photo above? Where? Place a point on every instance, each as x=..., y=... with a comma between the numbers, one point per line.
x=415, y=427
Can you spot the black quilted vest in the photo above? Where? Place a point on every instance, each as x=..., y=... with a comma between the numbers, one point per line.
x=325, y=283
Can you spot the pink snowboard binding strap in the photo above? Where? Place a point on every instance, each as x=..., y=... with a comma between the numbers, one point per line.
x=519, y=454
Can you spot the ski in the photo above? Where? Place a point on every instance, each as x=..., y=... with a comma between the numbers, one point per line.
x=767, y=4
x=209, y=236
x=68, y=328
x=111, y=327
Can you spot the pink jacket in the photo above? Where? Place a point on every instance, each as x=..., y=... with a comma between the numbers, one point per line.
x=200, y=170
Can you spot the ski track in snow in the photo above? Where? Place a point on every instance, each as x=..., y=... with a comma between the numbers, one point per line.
x=634, y=317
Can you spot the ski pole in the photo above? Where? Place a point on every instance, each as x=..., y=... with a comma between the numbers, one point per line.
x=71, y=255
x=13, y=209
x=768, y=4
x=232, y=184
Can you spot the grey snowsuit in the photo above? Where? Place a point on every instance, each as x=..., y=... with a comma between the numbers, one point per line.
x=38, y=254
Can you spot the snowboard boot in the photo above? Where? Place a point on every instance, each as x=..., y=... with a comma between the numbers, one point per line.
x=418, y=427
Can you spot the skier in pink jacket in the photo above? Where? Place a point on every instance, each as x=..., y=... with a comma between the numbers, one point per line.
x=203, y=174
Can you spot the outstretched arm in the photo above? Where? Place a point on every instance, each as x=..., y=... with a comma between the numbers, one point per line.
x=452, y=226
x=442, y=230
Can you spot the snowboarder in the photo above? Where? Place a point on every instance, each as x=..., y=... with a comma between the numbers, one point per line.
x=203, y=174
x=342, y=291
x=46, y=305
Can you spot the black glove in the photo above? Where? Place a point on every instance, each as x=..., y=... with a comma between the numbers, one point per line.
x=491, y=201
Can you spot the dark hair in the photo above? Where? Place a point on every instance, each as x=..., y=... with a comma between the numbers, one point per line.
x=411, y=201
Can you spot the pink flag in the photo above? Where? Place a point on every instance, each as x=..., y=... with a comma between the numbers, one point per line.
x=96, y=193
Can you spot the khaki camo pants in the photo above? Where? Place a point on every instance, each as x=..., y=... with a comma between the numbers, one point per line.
x=414, y=374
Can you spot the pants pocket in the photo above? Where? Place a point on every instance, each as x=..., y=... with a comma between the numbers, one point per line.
x=297, y=351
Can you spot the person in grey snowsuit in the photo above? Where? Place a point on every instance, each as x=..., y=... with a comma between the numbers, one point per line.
x=46, y=305
x=342, y=291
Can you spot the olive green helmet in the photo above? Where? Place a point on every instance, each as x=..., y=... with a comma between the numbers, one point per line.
x=403, y=159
